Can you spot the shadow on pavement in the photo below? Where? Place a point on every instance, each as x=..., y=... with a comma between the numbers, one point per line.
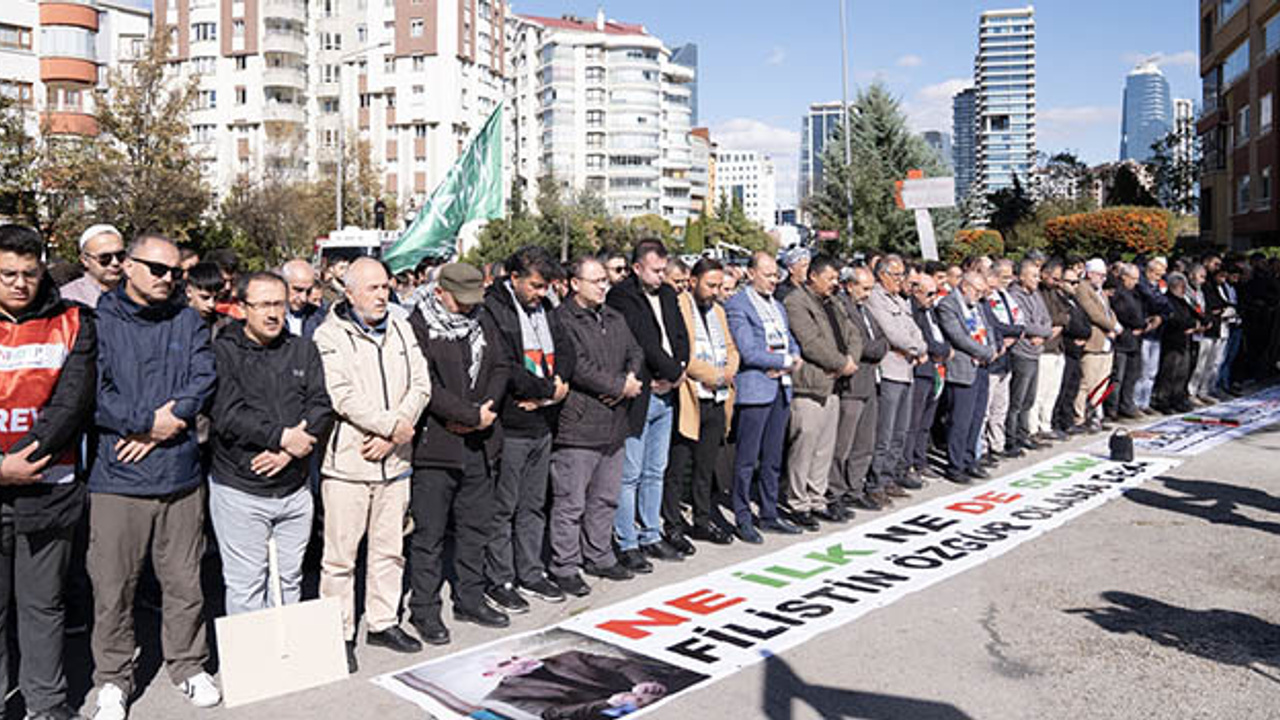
x=1212, y=501
x=783, y=689
x=1223, y=636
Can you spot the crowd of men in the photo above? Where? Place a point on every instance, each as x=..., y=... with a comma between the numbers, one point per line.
x=514, y=427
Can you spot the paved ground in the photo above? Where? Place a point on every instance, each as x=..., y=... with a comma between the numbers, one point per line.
x=1164, y=603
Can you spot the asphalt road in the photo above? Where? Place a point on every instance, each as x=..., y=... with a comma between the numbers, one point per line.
x=1164, y=603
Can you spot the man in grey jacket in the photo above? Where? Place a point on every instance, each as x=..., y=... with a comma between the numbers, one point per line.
x=1025, y=356
x=907, y=348
x=975, y=348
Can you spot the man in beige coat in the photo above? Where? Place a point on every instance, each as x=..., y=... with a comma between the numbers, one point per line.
x=377, y=379
x=1095, y=366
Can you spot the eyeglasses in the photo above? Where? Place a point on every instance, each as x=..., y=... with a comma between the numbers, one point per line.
x=158, y=269
x=265, y=306
x=616, y=268
x=108, y=258
x=11, y=277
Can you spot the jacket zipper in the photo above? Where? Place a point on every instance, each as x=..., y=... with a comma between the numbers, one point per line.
x=386, y=399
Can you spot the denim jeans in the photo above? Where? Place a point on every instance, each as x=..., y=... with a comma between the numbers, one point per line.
x=642, y=473
x=1147, y=381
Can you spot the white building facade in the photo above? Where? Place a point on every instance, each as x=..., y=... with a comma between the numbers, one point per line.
x=748, y=177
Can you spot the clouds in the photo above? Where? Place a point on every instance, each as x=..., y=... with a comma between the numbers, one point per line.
x=780, y=144
x=777, y=56
x=930, y=107
x=910, y=61
x=1184, y=59
x=1078, y=126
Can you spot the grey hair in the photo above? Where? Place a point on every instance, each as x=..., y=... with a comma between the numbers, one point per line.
x=1175, y=278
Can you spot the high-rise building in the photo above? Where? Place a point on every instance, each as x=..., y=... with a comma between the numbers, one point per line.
x=602, y=107
x=1238, y=49
x=748, y=177
x=54, y=57
x=1147, y=112
x=815, y=129
x=687, y=55
x=1005, y=75
x=941, y=144
x=701, y=149
x=1184, y=127
x=964, y=146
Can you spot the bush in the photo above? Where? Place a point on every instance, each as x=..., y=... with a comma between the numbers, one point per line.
x=975, y=241
x=1139, y=230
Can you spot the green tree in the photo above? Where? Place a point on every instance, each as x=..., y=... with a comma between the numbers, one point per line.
x=884, y=150
x=1176, y=174
x=143, y=174
x=1010, y=206
x=1126, y=190
x=19, y=157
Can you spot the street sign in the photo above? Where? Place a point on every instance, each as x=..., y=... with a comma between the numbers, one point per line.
x=919, y=194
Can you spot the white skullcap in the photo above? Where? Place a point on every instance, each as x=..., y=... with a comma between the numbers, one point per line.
x=96, y=230
x=1096, y=265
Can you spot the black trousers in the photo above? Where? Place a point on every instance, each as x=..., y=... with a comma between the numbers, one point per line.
x=1022, y=395
x=1064, y=413
x=968, y=410
x=1171, y=383
x=702, y=454
x=924, y=406
x=444, y=500
x=1126, y=368
x=32, y=568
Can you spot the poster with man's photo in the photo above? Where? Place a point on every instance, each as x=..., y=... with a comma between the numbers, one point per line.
x=549, y=675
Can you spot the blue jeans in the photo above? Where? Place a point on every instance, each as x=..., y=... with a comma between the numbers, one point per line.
x=762, y=432
x=1147, y=381
x=1234, y=335
x=642, y=473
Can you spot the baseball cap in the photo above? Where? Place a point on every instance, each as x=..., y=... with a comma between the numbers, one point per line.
x=464, y=282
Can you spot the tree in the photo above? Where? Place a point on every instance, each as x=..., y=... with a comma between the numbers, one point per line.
x=269, y=221
x=142, y=174
x=361, y=189
x=884, y=150
x=19, y=154
x=1176, y=172
x=1010, y=206
x=1126, y=189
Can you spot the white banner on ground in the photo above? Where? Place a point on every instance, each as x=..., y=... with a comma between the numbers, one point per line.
x=1195, y=432
x=632, y=656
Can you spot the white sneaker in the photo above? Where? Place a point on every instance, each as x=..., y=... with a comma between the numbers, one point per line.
x=201, y=691
x=111, y=704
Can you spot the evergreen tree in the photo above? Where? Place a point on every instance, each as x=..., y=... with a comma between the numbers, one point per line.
x=1126, y=189
x=1010, y=206
x=1175, y=174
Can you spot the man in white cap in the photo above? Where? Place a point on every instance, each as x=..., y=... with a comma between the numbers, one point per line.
x=1095, y=366
x=102, y=255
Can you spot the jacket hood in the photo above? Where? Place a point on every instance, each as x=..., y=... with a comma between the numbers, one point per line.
x=46, y=302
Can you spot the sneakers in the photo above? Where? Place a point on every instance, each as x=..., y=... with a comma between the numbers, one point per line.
x=201, y=691
x=543, y=589
x=111, y=704
x=505, y=598
x=615, y=572
x=571, y=585
x=61, y=711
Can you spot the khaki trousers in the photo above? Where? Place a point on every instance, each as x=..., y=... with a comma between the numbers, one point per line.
x=1094, y=368
x=352, y=510
x=813, y=440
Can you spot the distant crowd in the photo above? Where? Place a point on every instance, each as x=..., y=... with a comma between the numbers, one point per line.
x=510, y=428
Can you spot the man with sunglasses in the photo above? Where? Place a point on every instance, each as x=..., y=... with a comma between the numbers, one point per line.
x=102, y=255
x=155, y=373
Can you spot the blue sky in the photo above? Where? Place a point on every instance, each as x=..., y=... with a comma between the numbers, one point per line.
x=763, y=61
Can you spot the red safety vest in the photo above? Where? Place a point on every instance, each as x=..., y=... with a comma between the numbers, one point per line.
x=32, y=355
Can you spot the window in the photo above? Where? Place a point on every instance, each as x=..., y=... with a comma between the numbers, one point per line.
x=1236, y=65
x=595, y=118
x=242, y=62
x=419, y=90
x=242, y=96
x=420, y=130
x=331, y=41
x=203, y=65
x=1264, y=114
x=1264, y=188
x=207, y=100
x=595, y=95
x=204, y=31
x=362, y=34
x=237, y=28
x=416, y=27
x=595, y=140
x=1242, y=126
x=595, y=74
x=419, y=63
x=203, y=133
x=329, y=106
x=19, y=92
x=1242, y=194
x=389, y=64
x=595, y=162
x=1228, y=8
x=15, y=37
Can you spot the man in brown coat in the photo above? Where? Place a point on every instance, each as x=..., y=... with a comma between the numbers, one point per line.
x=1095, y=366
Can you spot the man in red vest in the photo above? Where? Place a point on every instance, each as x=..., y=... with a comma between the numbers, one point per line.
x=47, y=384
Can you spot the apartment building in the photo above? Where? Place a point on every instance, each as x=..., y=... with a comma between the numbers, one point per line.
x=1005, y=103
x=748, y=177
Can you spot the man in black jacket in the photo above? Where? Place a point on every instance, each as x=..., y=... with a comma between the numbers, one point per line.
x=586, y=463
x=1126, y=365
x=536, y=349
x=653, y=314
x=856, y=434
x=456, y=451
x=46, y=392
x=927, y=386
x=270, y=407
x=1074, y=336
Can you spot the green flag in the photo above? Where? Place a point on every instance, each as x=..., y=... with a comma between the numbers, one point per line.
x=472, y=190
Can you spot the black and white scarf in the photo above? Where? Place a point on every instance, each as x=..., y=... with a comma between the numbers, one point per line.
x=443, y=324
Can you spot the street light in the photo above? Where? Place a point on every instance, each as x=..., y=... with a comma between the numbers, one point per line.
x=344, y=60
x=844, y=110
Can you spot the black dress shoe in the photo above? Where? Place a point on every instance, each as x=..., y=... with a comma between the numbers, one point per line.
x=615, y=572
x=806, y=521
x=747, y=533
x=958, y=477
x=909, y=482
x=894, y=490
x=873, y=501
x=681, y=544
x=1060, y=435
x=393, y=638
x=711, y=533
x=1034, y=444
x=481, y=615
x=543, y=589
x=989, y=460
x=928, y=472
x=571, y=585
x=61, y=711
x=634, y=561
x=832, y=513
x=1014, y=452
x=978, y=473
x=661, y=551
x=778, y=526
x=353, y=666
x=504, y=598
x=432, y=633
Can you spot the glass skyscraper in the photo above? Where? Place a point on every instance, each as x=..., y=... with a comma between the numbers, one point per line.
x=1005, y=76
x=964, y=124
x=816, y=128
x=1147, y=112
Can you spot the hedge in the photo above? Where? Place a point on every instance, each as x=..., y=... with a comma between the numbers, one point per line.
x=976, y=241
x=1140, y=230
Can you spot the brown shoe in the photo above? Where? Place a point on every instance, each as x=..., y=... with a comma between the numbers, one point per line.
x=894, y=491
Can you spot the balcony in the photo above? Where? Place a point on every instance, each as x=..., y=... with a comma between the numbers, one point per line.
x=292, y=43
x=289, y=77
x=285, y=9
x=283, y=112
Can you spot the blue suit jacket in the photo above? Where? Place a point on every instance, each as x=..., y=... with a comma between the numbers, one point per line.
x=753, y=386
